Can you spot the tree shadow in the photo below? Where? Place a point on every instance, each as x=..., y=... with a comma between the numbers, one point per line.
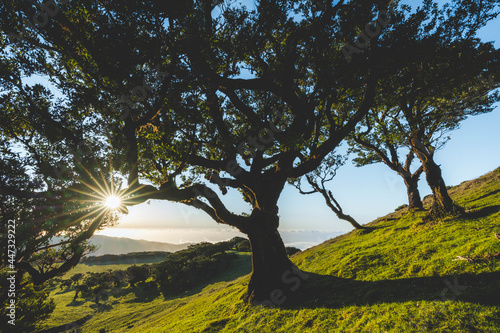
x=487, y=195
x=77, y=302
x=64, y=291
x=144, y=293
x=483, y=212
x=101, y=307
x=319, y=291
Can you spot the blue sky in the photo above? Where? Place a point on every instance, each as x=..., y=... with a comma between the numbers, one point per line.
x=365, y=193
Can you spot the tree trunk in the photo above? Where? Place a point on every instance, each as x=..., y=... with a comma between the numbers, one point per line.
x=274, y=276
x=414, y=200
x=443, y=205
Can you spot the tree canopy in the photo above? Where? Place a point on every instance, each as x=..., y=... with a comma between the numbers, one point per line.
x=186, y=102
x=427, y=96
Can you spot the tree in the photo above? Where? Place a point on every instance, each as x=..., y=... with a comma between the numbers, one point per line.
x=208, y=104
x=290, y=250
x=76, y=278
x=196, y=115
x=244, y=246
x=430, y=93
x=379, y=143
x=137, y=274
x=96, y=285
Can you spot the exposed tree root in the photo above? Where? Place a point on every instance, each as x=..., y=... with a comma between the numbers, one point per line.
x=436, y=212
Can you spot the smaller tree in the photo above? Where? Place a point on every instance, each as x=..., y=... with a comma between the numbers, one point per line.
x=137, y=274
x=243, y=246
x=117, y=277
x=76, y=278
x=96, y=285
x=424, y=95
x=80, y=289
x=290, y=250
x=379, y=142
x=66, y=284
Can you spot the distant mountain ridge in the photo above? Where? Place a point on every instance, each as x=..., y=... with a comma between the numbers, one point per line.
x=122, y=245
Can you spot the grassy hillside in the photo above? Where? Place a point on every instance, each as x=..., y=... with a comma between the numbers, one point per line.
x=399, y=276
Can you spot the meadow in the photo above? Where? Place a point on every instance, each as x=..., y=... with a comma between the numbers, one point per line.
x=400, y=275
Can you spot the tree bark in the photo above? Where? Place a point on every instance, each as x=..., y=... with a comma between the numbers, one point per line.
x=443, y=205
x=414, y=200
x=274, y=276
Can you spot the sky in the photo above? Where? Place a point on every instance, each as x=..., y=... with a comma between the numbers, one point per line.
x=364, y=193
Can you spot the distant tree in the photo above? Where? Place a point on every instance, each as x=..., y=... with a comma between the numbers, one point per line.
x=66, y=284
x=96, y=285
x=76, y=278
x=290, y=250
x=117, y=277
x=378, y=143
x=80, y=289
x=428, y=94
x=137, y=274
x=244, y=246
x=232, y=243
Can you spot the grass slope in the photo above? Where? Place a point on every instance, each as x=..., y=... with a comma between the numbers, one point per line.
x=397, y=277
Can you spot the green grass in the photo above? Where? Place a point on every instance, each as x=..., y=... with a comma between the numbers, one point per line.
x=121, y=264
x=397, y=277
x=83, y=268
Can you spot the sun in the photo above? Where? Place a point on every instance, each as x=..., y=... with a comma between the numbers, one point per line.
x=112, y=202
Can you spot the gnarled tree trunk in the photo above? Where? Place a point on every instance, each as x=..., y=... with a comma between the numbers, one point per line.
x=274, y=276
x=443, y=204
x=414, y=200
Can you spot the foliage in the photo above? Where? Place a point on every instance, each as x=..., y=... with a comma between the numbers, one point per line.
x=76, y=278
x=32, y=307
x=133, y=257
x=137, y=274
x=185, y=269
x=97, y=285
x=161, y=92
x=428, y=94
x=290, y=250
x=243, y=246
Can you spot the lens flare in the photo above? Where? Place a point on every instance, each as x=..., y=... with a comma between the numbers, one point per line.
x=112, y=202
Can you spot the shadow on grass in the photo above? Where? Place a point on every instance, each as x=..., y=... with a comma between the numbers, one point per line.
x=101, y=307
x=487, y=195
x=334, y=292
x=483, y=212
x=144, y=293
x=77, y=302
x=64, y=291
